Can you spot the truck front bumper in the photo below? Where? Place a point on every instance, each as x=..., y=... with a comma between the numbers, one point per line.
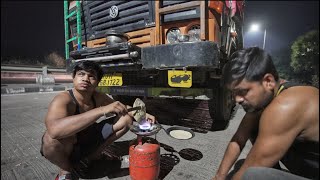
x=187, y=54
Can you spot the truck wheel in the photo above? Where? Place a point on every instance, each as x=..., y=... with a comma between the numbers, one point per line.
x=220, y=108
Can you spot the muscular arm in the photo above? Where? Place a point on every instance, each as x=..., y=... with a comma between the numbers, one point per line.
x=238, y=141
x=278, y=128
x=61, y=122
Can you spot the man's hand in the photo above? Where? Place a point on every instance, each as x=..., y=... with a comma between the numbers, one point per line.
x=150, y=118
x=115, y=107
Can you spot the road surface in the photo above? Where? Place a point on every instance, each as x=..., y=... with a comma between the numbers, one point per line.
x=22, y=125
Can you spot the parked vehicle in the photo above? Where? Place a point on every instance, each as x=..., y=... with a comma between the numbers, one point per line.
x=158, y=49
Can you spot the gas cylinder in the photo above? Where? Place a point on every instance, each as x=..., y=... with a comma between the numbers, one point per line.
x=144, y=159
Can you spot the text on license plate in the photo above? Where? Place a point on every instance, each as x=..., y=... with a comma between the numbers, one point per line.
x=114, y=79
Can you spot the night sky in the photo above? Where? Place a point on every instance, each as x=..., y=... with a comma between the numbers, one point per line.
x=284, y=22
x=36, y=28
x=31, y=28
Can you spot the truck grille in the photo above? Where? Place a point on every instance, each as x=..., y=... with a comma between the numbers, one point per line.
x=132, y=15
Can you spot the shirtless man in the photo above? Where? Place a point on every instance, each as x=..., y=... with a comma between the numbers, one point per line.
x=72, y=131
x=281, y=119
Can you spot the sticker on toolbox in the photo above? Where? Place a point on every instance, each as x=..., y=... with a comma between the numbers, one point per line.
x=114, y=79
x=180, y=78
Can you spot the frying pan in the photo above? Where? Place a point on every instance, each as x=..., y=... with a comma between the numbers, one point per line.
x=178, y=128
x=155, y=128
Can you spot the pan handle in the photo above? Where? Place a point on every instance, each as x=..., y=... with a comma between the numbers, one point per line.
x=162, y=128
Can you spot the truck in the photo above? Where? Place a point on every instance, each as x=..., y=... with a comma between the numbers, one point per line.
x=171, y=52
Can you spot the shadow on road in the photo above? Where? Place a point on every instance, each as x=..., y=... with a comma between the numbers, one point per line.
x=169, y=160
x=112, y=168
x=105, y=167
x=191, y=154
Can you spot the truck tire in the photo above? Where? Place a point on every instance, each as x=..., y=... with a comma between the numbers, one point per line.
x=220, y=108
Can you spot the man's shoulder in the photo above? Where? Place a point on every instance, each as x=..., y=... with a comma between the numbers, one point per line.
x=298, y=92
x=292, y=101
x=287, y=99
x=63, y=96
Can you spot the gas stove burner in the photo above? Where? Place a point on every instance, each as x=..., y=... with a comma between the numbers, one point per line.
x=144, y=125
x=144, y=129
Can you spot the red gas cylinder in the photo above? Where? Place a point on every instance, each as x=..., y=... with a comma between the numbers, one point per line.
x=144, y=159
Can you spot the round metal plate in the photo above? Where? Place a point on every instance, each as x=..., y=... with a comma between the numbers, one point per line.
x=183, y=129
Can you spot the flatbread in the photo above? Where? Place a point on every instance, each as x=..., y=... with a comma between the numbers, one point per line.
x=139, y=115
x=180, y=134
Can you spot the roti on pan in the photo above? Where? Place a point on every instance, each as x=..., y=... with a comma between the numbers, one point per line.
x=180, y=134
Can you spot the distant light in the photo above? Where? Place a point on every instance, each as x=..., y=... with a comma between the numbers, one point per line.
x=254, y=27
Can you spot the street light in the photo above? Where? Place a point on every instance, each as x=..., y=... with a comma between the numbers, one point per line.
x=255, y=28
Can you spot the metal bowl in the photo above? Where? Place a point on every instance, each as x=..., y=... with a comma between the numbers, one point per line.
x=113, y=37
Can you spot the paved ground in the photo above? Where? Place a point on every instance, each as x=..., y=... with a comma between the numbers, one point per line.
x=22, y=126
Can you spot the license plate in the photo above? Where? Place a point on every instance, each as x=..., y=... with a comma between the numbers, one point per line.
x=180, y=78
x=114, y=79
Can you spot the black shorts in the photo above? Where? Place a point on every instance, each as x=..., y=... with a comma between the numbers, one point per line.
x=88, y=140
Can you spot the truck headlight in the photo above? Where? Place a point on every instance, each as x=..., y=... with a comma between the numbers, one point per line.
x=172, y=35
x=194, y=33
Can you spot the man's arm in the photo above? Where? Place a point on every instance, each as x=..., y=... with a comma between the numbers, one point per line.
x=61, y=123
x=238, y=141
x=278, y=128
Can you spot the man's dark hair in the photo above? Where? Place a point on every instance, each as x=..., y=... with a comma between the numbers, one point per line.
x=88, y=66
x=251, y=63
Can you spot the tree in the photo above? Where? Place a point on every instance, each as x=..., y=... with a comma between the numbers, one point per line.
x=54, y=59
x=281, y=59
x=305, y=57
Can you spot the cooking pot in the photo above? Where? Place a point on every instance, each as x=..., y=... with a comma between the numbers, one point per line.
x=113, y=37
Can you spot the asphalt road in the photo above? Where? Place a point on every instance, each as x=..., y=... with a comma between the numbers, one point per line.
x=22, y=125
